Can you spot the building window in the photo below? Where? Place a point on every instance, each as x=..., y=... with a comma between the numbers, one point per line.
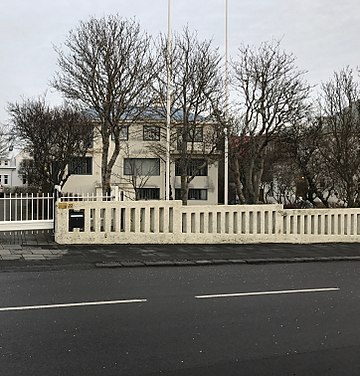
x=148, y=193
x=123, y=133
x=81, y=166
x=193, y=194
x=195, y=134
x=142, y=166
x=193, y=168
x=151, y=133
x=6, y=163
x=90, y=139
x=6, y=179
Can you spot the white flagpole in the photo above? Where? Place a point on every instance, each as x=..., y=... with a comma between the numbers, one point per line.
x=168, y=100
x=226, y=143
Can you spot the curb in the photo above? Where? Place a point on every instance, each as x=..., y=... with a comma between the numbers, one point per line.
x=133, y=264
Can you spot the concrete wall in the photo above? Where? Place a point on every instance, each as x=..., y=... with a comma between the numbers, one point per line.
x=157, y=222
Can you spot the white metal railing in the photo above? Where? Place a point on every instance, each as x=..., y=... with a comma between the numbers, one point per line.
x=68, y=197
x=169, y=222
x=26, y=212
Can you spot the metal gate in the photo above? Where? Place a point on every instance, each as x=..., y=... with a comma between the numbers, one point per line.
x=26, y=212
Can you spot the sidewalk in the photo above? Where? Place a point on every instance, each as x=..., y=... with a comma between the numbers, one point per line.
x=27, y=250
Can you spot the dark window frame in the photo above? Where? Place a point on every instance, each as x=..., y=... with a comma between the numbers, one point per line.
x=84, y=166
x=194, y=194
x=151, y=133
x=195, y=134
x=128, y=168
x=198, y=136
x=146, y=193
x=121, y=136
x=204, y=171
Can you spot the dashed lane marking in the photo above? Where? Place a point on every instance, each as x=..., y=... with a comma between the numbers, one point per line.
x=275, y=292
x=70, y=305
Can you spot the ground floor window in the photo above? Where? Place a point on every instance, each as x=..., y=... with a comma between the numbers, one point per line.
x=142, y=166
x=193, y=194
x=148, y=193
x=193, y=168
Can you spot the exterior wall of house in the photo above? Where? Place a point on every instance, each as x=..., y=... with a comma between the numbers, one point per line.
x=204, y=189
x=9, y=170
x=86, y=182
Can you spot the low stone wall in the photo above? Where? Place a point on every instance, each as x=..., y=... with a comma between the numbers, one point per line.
x=161, y=222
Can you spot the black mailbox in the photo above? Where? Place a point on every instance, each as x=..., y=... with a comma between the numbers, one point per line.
x=76, y=219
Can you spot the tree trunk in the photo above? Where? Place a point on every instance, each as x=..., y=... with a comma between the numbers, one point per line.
x=249, y=186
x=105, y=172
x=257, y=178
x=350, y=193
x=184, y=189
x=238, y=184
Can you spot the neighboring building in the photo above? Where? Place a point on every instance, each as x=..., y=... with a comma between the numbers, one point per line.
x=140, y=168
x=9, y=170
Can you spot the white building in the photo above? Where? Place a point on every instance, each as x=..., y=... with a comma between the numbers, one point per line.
x=141, y=165
x=9, y=170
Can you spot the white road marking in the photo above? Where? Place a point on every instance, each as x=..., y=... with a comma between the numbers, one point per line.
x=67, y=305
x=255, y=293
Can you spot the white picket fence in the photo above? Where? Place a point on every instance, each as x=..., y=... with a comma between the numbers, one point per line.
x=160, y=222
x=26, y=212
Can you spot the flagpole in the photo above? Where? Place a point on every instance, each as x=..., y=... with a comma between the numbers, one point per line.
x=226, y=143
x=168, y=104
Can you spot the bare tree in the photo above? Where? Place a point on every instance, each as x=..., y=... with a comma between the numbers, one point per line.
x=340, y=120
x=300, y=146
x=272, y=94
x=196, y=100
x=6, y=140
x=107, y=67
x=135, y=170
x=53, y=137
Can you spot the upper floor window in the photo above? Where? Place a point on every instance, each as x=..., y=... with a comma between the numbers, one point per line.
x=151, y=133
x=124, y=133
x=90, y=139
x=81, y=166
x=142, y=166
x=4, y=179
x=195, y=134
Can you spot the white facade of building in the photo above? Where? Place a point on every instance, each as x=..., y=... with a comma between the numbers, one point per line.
x=9, y=170
x=141, y=165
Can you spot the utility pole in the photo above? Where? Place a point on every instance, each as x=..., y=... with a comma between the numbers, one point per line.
x=168, y=102
x=226, y=142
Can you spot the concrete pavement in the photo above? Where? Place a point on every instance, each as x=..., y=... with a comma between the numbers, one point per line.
x=26, y=250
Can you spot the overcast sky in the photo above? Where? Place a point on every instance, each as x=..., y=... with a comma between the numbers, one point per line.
x=322, y=34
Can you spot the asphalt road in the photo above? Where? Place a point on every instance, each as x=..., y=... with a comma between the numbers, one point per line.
x=286, y=319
